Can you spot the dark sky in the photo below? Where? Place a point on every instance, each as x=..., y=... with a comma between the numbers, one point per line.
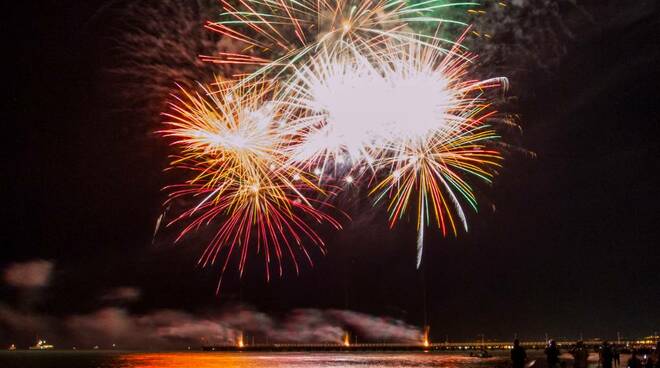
x=571, y=248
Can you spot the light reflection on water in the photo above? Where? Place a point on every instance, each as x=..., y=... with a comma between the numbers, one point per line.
x=302, y=360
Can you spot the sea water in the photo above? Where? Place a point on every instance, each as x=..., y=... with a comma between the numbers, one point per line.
x=116, y=359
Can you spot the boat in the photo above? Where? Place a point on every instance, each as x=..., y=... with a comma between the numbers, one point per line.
x=41, y=345
x=480, y=354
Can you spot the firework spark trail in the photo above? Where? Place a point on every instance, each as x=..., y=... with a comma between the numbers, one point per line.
x=431, y=172
x=229, y=141
x=287, y=33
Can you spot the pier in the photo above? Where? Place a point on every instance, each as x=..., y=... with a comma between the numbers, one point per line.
x=421, y=346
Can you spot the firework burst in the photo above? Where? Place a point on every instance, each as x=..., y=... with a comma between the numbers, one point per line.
x=439, y=140
x=286, y=33
x=406, y=111
x=230, y=143
x=336, y=105
x=364, y=100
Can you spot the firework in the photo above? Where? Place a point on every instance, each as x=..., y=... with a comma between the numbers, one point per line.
x=229, y=141
x=336, y=101
x=285, y=33
x=439, y=140
x=404, y=110
x=364, y=100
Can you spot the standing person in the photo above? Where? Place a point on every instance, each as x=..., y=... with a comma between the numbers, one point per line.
x=552, y=354
x=616, y=356
x=606, y=355
x=634, y=362
x=518, y=355
x=580, y=354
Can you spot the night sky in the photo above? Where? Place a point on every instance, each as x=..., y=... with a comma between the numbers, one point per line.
x=566, y=241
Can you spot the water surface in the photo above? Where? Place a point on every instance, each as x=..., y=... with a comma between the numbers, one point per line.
x=115, y=359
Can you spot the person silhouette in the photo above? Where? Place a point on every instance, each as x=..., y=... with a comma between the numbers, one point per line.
x=580, y=354
x=552, y=354
x=518, y=355
x=633, y=361
x=606, y=355
x=616, y=356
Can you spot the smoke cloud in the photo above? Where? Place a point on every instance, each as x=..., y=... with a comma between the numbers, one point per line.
x=377, y=328
x=172, y=329
x=32, y=274
x=122, y=294
x=158, y=45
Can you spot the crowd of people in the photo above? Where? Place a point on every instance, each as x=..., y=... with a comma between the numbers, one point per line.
x=609, y=356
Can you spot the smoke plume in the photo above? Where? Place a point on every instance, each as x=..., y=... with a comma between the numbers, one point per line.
x=172, y=329
x=32, y=274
